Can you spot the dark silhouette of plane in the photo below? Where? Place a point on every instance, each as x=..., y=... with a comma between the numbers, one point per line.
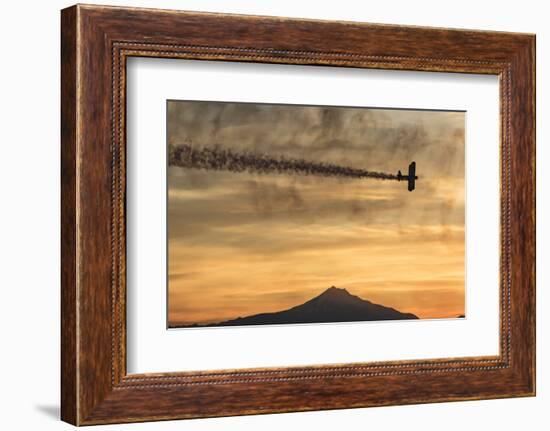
x=411, y=178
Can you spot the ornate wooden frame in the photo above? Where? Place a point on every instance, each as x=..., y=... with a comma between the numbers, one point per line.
x=95, y=42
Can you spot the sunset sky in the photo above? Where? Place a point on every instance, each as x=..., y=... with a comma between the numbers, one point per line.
x=242, y=243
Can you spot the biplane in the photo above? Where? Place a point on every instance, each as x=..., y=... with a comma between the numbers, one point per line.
x=411, y=178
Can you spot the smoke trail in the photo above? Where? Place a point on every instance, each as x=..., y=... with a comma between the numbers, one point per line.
x=215, y=158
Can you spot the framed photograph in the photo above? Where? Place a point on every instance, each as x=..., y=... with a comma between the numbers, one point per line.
x=265, y=215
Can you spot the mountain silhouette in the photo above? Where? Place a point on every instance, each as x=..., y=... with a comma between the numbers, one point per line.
x=333, y=305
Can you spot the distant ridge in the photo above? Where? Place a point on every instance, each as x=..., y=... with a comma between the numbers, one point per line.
x=333, y=305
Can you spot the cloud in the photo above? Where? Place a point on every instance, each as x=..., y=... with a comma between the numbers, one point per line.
x=375, y=139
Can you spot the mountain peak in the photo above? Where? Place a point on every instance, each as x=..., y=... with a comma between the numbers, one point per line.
x=333, y=290
x=336, y=295
x=333, y=305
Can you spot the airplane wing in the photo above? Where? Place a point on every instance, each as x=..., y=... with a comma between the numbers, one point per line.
x=412, y=176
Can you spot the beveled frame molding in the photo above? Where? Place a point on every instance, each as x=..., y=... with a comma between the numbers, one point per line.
x=96, y=41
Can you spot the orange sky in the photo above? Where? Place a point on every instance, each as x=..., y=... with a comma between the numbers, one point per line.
x=241, y=243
